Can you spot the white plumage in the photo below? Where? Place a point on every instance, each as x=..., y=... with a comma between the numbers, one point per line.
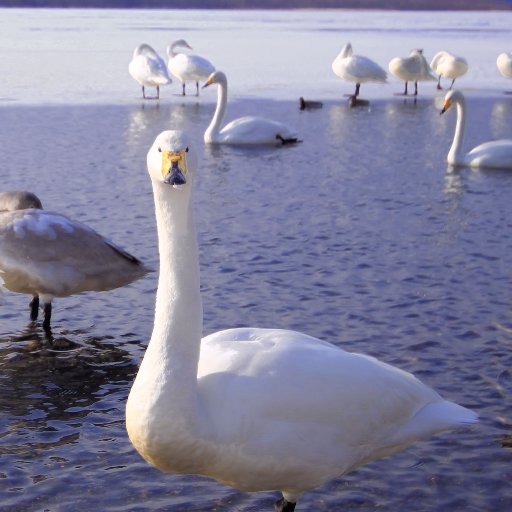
x=413, y=68
x=247, y=130
x=496, y=154
x=188, y=67
x=357, y=68
x=504, y=63
x=149, y=69
x=257, y=409
x=447, y=65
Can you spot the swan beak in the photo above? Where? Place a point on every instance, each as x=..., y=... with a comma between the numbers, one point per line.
x=208, y=82
x=174, y=168
x=446, y=106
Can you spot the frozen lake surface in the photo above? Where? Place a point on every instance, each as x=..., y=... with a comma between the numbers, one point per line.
x=361, y=235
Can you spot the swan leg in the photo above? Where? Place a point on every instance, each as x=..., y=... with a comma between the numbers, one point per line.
x=356, y=94
x=143, y=92
x=34, y=308
x=157, y=92
x=197, y=88
x=439, y=88
x=284, y=506
x=415, y=88
x=47, y=316
x=451, y=85
x=183, y=89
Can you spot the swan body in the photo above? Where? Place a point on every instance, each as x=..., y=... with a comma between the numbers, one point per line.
x=186, y=67
x=504, y=63
x=258, y=409
x=48, y=255
x=248, y=130
x=357, y=68
x=149, y=69
x=496, y=154
x=413, y=68
x=447, y=65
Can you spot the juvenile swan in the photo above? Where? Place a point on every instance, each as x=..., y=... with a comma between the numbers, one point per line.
x=149, y=69
x=187, y=67
x=496, y=154
x=244, y=130
x=47, y=255
x=257, y=409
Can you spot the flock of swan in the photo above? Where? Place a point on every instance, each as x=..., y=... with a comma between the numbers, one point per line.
x=257, y=409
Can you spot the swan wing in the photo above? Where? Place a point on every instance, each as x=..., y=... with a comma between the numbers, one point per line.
x=149, y=69
x=45, y=252
x=287, y=383
x=361, y=69
x=255, y=130
x=192, y=67
x=495, y=154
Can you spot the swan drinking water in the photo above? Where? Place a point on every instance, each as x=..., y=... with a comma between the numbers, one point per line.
x=496, y=154
x=244, y=130
x=257, y=409
x=149, y=69
x=47, y=255
x=186, y=67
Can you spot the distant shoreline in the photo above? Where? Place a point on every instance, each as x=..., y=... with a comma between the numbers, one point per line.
x=374, y=5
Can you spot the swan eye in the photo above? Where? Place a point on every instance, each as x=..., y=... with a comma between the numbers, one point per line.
x=186, y=149
x=159, y=150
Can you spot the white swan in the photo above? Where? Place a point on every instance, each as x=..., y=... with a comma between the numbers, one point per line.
x=447, y=65
x=257, y=409
x=496, y=154
x=186, y=67
x=356, y=68
x=47, y=255
x=149, y=69
x=504, y=63
x=244, y=130
x=413, y=68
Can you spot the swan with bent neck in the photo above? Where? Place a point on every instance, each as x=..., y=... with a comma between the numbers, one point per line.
x=247, y=130
x=258, y=409
x=496, y=154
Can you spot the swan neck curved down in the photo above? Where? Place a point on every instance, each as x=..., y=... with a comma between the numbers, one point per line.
x=455, y=155
x=212, y=132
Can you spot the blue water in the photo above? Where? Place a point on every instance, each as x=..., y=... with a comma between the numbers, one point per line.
x=361, y=235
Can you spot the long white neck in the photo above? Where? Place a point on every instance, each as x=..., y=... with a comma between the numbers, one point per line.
x=455, y=155
x=212, y=132
x=173, y=352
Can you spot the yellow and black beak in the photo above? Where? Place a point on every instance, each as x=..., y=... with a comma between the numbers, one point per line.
x=207, y=83
x=174, y=167
x=446, y=106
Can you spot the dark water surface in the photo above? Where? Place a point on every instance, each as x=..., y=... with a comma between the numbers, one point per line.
x=360, y=235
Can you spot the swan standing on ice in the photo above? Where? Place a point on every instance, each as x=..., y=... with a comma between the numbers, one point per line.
x=504, y=63
x=413, y=68
x=447, y=65
x=149, y=69
x=47, y=255
x=358, y=69
x=186, y=67
x=244, y=130
x=257, y=409
x=496, y=154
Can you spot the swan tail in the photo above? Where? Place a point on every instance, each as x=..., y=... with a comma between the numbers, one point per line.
x=287, y=140
x=437, y=417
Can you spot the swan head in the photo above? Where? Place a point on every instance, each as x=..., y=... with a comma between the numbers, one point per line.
x=217, y=77
x=19, y=200
x=451, y=97
x=171, y=159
